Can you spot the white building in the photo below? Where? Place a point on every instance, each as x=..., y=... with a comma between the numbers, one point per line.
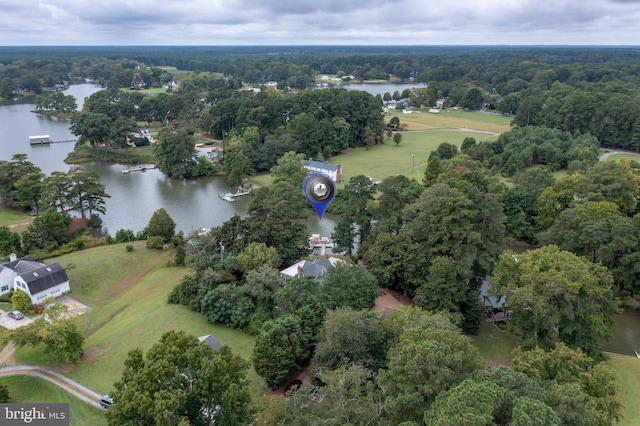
x=334, y=172
x=38, y=280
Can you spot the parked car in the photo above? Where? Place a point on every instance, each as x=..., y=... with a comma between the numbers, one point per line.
x=16, y=315
x=106, y=401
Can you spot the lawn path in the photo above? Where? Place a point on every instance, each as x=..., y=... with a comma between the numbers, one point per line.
x=132, y=279
x=74, y=388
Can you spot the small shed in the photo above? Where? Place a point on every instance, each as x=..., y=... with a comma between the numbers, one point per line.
x=211, y=341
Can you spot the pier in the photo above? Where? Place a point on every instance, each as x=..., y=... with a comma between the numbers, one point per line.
x=231, y=197
x=138, y=169
x=46, y=140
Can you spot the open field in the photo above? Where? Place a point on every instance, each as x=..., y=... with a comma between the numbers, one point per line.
x=14, y=219
x=174, y=70
x=127, y=292
x=453, y=119
x=630, y=157
x=31, y=389
x=628, y=371
x=151, y=91
x=409, y=158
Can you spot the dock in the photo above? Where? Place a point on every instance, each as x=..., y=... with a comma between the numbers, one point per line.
x=231, y=197
x=138, y=169
x=46, y=140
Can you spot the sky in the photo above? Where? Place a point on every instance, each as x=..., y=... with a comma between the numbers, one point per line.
x=319, y=22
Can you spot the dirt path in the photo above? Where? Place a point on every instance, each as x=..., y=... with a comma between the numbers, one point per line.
x=74, y=388
x=6, y=355
x=135, y=277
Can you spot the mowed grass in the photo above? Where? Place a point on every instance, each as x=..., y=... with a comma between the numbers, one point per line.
x=453, y=119
x=14, y=219
x=630, y=157
x=628, y=371
x=127, y=292
x=495, y=345
x=409, y=158
x=32, y=389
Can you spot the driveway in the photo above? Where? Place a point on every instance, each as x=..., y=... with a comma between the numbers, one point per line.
x=10, y=323
x=75, y=308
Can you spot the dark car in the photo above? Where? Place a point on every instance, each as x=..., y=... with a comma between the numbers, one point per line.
x=16, y=315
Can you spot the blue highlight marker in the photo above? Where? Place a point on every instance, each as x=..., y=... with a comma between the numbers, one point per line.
x=319, y=190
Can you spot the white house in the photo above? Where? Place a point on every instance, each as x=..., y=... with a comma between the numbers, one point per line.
x=38, y=280
x=334, y=172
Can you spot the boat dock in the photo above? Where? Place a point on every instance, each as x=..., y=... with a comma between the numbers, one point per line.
x=231, y=197
x=138, y=169
x=321, y=243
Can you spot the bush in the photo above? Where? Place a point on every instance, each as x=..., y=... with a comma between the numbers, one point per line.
x=124, y=235
x=129, y=247
x=156, y=242
x=108, y=239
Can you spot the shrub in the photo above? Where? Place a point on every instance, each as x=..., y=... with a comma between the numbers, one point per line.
x=124, y=235
x=108, y=239
x=129, y=247
x=156, y=242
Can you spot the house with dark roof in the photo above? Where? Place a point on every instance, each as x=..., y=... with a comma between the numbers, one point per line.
x=38, y=280
x=316, y=269
x=211, y=341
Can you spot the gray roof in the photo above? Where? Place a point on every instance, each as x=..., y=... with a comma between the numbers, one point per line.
x=41, y=277
x=12, y=265
x=211, y=341
x=318, y=269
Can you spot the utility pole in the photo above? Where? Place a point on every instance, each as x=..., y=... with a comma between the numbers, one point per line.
x=413, y=162
x=221, y=256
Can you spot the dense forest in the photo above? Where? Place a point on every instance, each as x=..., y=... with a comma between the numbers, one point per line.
x=440, y=240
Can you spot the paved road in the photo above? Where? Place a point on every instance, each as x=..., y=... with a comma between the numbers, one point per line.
x=76, y=389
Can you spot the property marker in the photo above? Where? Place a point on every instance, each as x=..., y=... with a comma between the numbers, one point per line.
x=319, y=190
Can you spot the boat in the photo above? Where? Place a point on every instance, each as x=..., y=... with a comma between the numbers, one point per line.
x=227, y=196
x=317, y=241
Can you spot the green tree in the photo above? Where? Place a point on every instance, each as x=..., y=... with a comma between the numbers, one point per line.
x=350, y=286
x=60, y=335
x=279, y=350
x=20, y=300
x=237, y=165
x=473, y=98
x=87, y=192
x=50, y=230
x=174, y=153
x=181, y=381
x=556, y=296
x=444, y=288
x=161, y=225
x=397, y=138
x=256, y=255
x=28, y=191
x=9, y=242
x=92, y=127
x=351, y=337
x=421, y=365
x=10, y=173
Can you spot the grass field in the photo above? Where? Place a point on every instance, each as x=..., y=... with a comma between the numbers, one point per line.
x=31, y=389
x=127, y=292
x=630, y=157
x=495, y=345
x=628, y=371
x=14, y=219
x=453, y=119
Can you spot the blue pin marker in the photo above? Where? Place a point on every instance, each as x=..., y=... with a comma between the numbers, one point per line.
x=319, y=190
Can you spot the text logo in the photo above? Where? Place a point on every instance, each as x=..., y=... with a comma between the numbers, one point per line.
x=34, y=414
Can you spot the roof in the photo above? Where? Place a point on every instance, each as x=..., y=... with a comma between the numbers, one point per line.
x=12, y=265
x=319, y=165
x=488, y=300
x=317, y=269
x=41, y=277
x=211, y=341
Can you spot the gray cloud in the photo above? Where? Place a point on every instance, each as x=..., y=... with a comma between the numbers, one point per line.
x=319, y=22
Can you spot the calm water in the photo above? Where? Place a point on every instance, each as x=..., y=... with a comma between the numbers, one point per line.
x=193, y=203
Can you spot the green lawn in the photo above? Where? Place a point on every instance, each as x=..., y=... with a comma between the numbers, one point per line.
x=495, y=345
x=628, y=371
x=453, y=119
x=12, y=218
x=127, y=292
x=630, y=157
x=151, y=91
x=31, y=389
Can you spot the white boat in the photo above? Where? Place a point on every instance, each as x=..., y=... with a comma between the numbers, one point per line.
x=227, y=196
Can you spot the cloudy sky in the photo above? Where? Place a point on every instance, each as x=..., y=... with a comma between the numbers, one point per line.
x=319, y=22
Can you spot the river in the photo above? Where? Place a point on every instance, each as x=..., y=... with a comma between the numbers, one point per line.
x=192, y=203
